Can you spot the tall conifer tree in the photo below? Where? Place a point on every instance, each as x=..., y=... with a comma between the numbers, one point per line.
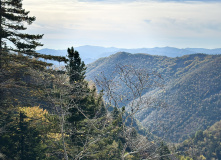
x=84, y=102
x=76, y=71
x=12, y=26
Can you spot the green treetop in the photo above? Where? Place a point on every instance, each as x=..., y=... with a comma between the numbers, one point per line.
x=75, y=67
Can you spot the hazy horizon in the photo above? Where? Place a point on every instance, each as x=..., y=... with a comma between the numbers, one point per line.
x=126, y=48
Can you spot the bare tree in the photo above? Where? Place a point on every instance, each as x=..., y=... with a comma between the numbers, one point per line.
x=125, y=88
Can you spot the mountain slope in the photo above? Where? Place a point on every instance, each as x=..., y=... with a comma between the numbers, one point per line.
x=194, y=101
x=192, y=91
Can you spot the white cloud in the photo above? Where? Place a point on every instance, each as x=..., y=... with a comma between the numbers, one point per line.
x=134, y=24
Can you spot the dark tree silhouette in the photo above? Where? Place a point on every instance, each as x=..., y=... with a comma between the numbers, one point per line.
x=75, y=67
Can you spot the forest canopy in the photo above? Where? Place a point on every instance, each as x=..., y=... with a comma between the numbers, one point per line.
x=53, y=113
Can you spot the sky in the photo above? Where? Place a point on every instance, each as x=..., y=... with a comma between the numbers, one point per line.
x=126, y=23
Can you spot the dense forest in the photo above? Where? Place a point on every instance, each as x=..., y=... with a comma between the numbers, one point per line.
x=204, y=144
x=186, y=97
x=118, y=107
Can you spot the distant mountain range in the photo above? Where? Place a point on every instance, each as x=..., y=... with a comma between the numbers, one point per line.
x=192, y=90
x=91, y=53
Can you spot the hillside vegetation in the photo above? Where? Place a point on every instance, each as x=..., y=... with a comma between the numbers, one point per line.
x=191, y=92
x=54, y=113
x=204, y=144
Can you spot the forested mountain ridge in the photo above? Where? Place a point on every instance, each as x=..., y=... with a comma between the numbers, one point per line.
x=191, y=91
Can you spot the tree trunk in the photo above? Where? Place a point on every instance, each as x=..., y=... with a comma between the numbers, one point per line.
x=63, y=141
x=22, y=136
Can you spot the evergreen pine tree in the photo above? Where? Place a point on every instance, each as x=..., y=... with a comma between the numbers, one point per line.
x=12, y=16
x=76, y=71
x=12, y=26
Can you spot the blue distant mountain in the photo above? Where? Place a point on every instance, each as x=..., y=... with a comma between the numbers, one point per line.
x=91, y=53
